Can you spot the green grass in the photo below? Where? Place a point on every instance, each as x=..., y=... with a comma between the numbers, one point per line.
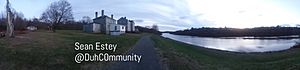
x=44, y=50
x=181, y=56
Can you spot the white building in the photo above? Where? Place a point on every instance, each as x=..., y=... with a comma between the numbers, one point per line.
x=130, y=25
x=116, y=29
x=104, y=24
x=31, y=28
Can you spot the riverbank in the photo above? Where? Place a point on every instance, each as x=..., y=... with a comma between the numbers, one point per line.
x=55, y=51
x=181, y=56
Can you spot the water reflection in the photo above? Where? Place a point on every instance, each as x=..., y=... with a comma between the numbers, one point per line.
x=235, y=44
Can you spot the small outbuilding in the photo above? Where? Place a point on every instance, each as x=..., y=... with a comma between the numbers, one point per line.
x=31, y=28
x=116, y=29
x=129, y=24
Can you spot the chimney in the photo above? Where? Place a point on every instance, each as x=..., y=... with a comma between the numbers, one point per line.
x=96, y=14
x=102, y=12
x=112, y=16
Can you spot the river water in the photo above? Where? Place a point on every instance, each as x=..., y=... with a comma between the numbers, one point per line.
x=237, y=44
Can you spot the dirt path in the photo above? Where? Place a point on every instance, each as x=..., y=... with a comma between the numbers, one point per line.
x=149, y=61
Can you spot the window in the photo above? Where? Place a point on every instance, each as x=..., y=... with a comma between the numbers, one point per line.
x=115, y=28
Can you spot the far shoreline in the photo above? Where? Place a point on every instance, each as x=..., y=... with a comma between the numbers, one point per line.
x=256, y=32
x=248, y=37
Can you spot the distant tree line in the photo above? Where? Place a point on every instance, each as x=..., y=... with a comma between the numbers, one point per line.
x=17, y=19
x=21, y=24
x=147, y=30
x=234, y=32
x=58, y=15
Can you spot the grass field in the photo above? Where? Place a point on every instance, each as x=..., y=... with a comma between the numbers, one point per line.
x=42, y=50
x=180, y=56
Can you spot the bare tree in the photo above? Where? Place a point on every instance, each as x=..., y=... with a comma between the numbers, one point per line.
x=10, y=26
x=57, y=13
x=155, y=27
x=86, y=20
x=19, y=20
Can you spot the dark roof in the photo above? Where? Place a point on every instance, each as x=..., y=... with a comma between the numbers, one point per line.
x=123, y=18
x=131, y=21
x=101, y=17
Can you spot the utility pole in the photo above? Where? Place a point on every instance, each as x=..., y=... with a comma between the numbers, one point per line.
x=10, y=25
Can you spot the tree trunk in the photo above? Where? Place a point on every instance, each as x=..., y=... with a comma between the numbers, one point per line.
x=52, y=27
x=10, y=25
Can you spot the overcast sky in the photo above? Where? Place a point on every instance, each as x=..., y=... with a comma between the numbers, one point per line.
x=179, y=14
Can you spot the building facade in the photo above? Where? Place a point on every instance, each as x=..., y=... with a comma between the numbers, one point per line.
x=116, y=29
x=129, y=24
x=132, y=26
x=104, y=24
x=108, y=25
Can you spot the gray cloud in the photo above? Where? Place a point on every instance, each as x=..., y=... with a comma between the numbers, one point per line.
x=167, y=14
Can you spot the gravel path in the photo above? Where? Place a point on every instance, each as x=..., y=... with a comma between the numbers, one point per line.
x=149, y=60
